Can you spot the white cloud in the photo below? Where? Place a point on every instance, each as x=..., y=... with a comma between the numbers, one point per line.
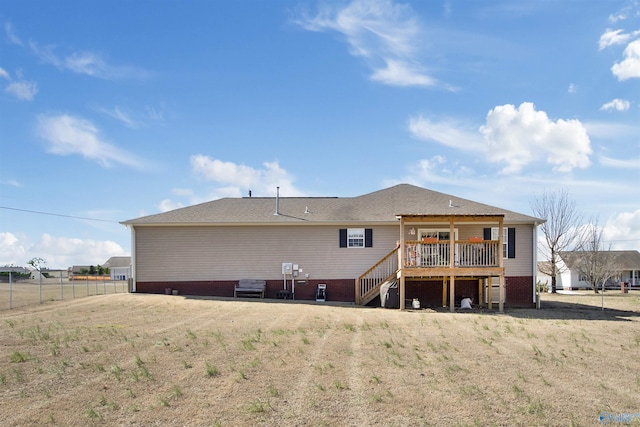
x=616, y=104
x=57, y=251
x=22, y=90
x=623, y=230
x=615, y=37
x=618, y=17
x=63, y=252
x=514, y=136
x=87, y=63
x=384, y=33
x=520, y=136
x=236, y=180
x=12, y=251
x=629, y=67
x=438, y=170
x=620, y=164
x=572, y=88
x=401, y=73
x=11, y=35
x=69, y=135
x=610, y=130
x=447, y=132
x=12, y=182
x=121, y=116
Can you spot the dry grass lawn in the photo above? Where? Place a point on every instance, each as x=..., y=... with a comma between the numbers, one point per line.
x=156, y=360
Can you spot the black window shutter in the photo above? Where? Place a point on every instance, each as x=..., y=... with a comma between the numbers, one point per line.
x=368, y=237
x=511, y=242
x=486, y=233
x=343, y=237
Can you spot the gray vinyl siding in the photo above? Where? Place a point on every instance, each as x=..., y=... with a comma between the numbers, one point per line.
x=522, y=264
x=201, y=253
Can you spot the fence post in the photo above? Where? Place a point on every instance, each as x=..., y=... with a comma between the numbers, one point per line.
x=61, y=288
x=40, y=276
x=10, y=291
x=73, y=287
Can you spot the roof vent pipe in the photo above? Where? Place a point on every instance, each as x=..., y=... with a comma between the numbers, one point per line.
x=277, y=201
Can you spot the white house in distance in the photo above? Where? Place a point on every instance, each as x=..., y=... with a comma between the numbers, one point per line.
x=119, y=267
x=627, y=262
x=438, y=248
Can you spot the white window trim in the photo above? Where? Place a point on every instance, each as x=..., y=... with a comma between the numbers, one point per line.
x=422, y=231
x=505, y=239
x=353, y=235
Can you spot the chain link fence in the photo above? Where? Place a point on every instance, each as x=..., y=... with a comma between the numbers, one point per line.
x=25, y=292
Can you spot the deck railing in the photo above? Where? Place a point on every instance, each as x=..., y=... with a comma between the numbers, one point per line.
x=467, y=254
x=368, y=282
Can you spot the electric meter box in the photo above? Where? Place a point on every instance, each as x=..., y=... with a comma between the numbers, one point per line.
x=287, y=268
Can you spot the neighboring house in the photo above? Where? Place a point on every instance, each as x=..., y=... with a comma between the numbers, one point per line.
x=77, y=270
x=626, y=262
x=437, y=247
x=119, y=267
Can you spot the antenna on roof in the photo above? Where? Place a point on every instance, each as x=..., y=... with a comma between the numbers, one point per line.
x=277, y=201
x=249, y=193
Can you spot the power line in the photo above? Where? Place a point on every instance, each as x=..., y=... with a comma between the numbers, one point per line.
x=60, y=215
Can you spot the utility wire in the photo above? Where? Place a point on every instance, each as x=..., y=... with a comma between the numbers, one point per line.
x=60, y=215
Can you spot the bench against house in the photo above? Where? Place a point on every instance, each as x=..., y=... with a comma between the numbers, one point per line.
x=250, y=287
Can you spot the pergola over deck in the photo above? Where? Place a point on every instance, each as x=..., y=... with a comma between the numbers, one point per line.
x=438, y=259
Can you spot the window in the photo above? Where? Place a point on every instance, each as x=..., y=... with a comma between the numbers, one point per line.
x=356, y=237
x=508, y=240
x=505, y=242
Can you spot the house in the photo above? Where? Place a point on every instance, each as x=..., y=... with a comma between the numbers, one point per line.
x=119, y=267
x=437, y=248
x=627, y=263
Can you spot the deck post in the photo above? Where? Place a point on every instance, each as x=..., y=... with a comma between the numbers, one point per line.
x=501, y=264
x=444, y=291
x=401, y=263
x=501, y=293
x=490, y=292
x=479, y=292
x=452, y=294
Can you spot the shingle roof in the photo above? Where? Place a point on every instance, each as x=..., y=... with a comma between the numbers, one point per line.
x=378, y=206
x=624, y=260
x=117, y=261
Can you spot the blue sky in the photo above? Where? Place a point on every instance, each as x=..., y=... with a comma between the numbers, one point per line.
x=114, y=110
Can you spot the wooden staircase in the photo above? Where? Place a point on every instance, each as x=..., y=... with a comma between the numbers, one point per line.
x=369, y=283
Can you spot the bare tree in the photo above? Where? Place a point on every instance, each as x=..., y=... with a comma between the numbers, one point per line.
x=561, y=229
x=37, y=263
x=596, y=263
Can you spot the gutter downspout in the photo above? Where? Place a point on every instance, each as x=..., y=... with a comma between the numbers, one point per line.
x=536, y=291
x=132, y=267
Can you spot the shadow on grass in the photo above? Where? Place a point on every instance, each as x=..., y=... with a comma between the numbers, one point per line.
x=569, y=310
x=572, y=311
